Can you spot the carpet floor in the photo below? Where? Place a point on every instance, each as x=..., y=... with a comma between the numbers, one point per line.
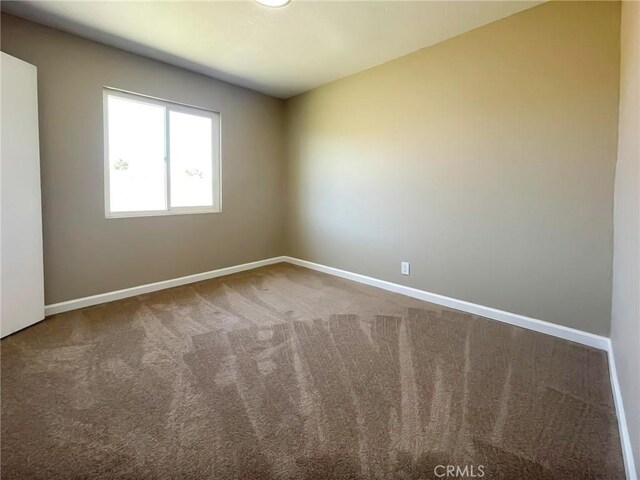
x=286, y=373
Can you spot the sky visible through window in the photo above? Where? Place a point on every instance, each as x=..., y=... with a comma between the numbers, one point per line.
x=191, y=175
x=137, y=168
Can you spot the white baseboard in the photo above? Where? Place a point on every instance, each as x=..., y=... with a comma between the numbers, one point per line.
x=153, y=287
x=567, y=333
x=627, y=452
x=560, y=331
x=572, y=334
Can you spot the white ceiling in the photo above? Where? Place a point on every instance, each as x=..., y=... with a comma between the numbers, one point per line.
x=282, y=52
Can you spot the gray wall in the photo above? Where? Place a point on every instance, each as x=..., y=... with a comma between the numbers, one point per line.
x=625, y=313
x=487, y=161
x=86, y=254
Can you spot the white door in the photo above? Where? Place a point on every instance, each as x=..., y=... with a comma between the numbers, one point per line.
x=22, y=279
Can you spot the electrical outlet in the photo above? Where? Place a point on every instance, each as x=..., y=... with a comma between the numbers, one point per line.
x=404, y=268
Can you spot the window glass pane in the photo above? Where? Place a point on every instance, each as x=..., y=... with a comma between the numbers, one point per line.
x=137, y=167
x=191, y=161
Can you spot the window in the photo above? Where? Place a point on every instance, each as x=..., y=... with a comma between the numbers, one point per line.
x=161, y=158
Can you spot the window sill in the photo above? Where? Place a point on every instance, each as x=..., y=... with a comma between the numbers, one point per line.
x=162, y=213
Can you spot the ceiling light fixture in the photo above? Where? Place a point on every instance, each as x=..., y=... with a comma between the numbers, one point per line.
x=273, y=3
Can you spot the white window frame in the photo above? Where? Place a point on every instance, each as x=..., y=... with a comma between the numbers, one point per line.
x=169, y=106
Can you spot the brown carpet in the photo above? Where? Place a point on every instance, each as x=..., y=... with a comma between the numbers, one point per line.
x=285, y=373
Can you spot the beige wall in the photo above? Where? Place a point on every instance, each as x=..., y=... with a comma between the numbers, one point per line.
x=487, y=161
x=86, y=254
x=625, y=313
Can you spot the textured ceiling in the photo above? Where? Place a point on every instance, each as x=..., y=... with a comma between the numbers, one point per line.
x=282, y=52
